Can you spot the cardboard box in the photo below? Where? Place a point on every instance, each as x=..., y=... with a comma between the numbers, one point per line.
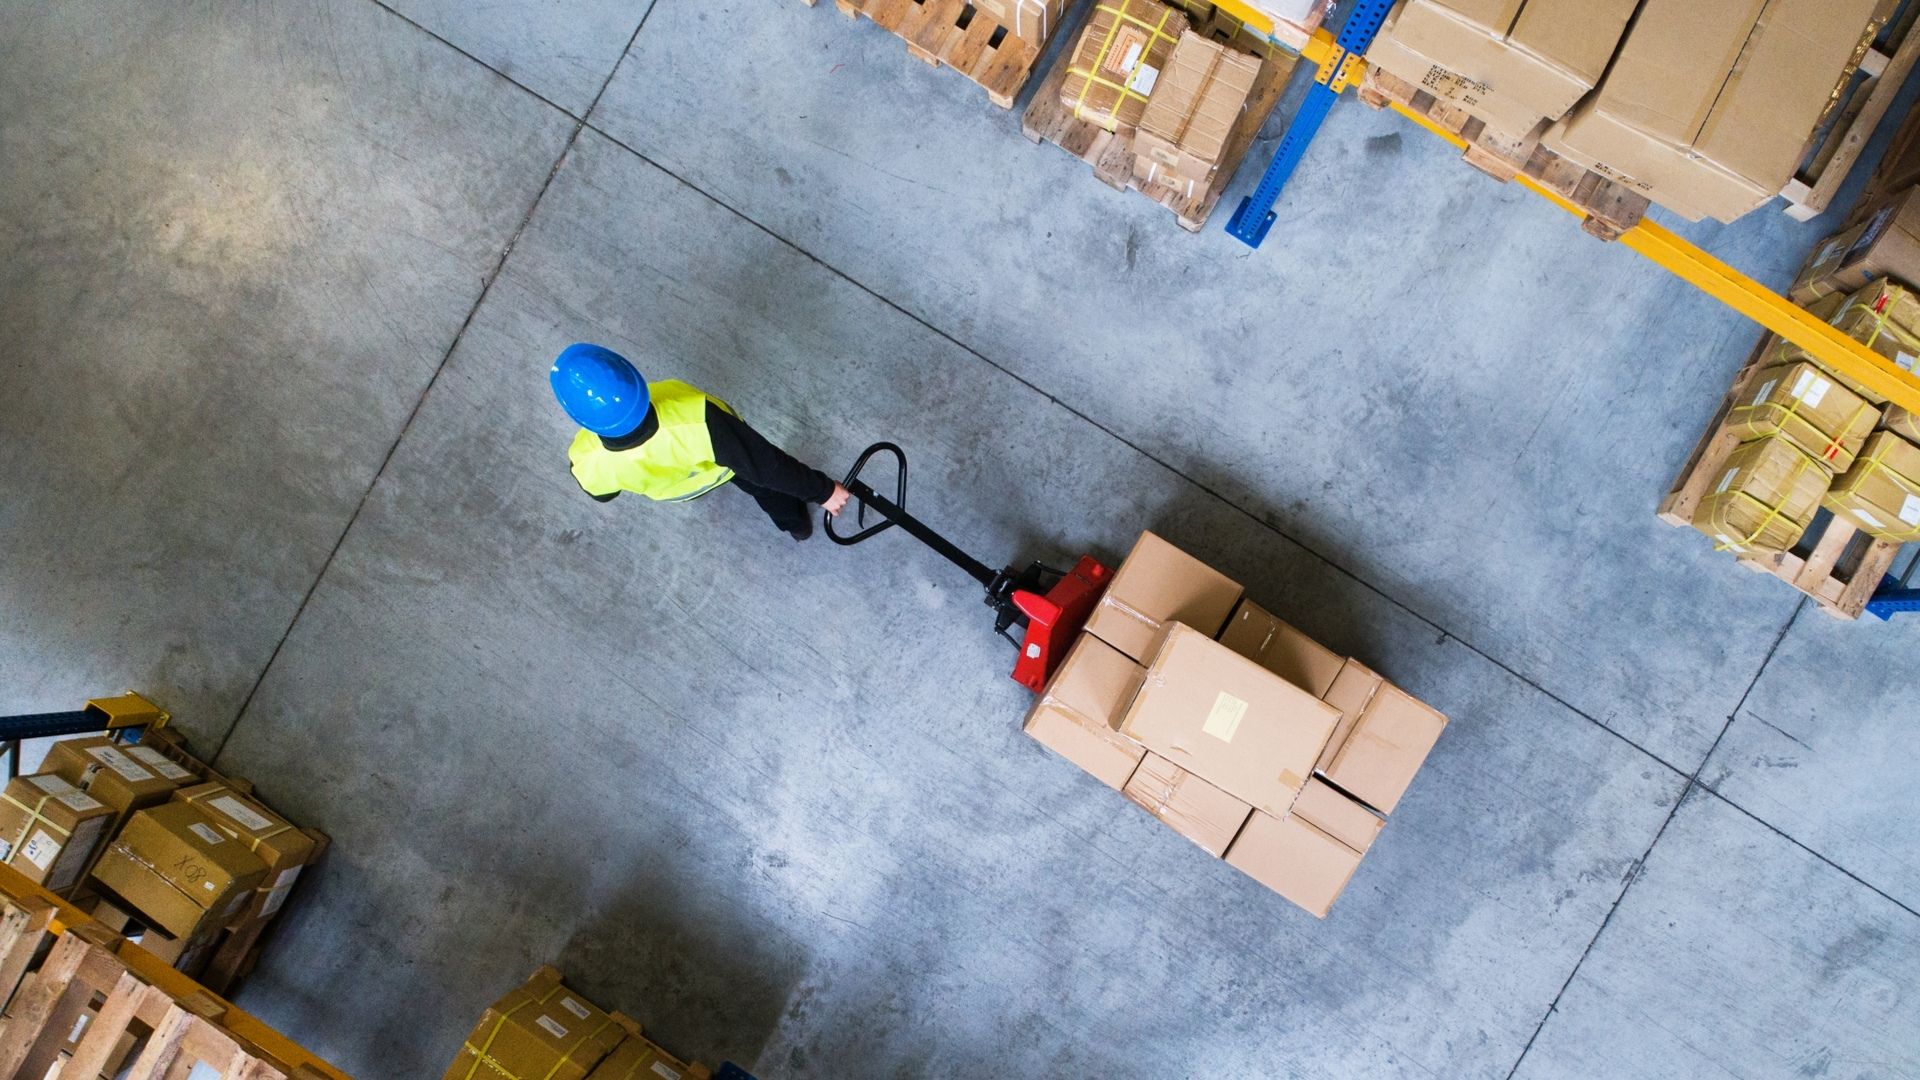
x=1886, y=245
x=1902, y=423
x=1383, y=737
x=639, y=1059
x=1265, y=639
x=1216, y=713
x=1031, y=20
x=1764, y=500
x=1189, y=805
x=180, y=873
x=542, y=1031
x=284, y=849
x=105, y=770
x=1804, y=405
x=1118, y=60
x=1193, y=109
x=1710, y=103
x=49, y=829
x=1884, y=316
x=1881, y=493
x=1078, y=715
x=1339, y=815
x=1159, y=585
x=1294, y=858
x=1513, y=63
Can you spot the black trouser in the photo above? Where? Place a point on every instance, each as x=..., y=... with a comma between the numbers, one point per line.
x=786, y=511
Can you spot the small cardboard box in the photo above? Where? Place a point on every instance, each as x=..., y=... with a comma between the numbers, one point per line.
x=1189, y=805
x=1159, y=585
x=1078, y=715
x=49, y=829
x=1884, y=316
x=1295, y=858
x=104, y=770
x=1886, y=245
x=1216, y=713
x=1265, y=639
x=1383, y=737
x=639, y=1059
x=542, y=1030
x=284, y=849
x=1764, y=500
x=1118, y=61
x=1191, y=114
x=1030, y=20
x=1801, y=403
x=178, y=871
x=1339, y=815
x=1880, y=495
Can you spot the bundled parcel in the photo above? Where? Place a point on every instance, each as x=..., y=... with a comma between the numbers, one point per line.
x=546, y=1031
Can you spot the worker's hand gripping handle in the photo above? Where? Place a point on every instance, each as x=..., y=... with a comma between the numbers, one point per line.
x=866, y=497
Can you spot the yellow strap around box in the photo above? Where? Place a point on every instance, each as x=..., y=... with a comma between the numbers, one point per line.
x=1774, y=513
x=1122, y=16
x=33, y=815
x=1882, y=318
x=1873, y=463
x=483, y=1052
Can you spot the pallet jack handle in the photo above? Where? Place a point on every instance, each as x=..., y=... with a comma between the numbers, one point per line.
x=894, y=510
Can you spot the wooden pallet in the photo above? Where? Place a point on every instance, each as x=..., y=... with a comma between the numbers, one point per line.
x=1609, y=208
x=1835, y=564
x=955, y=34
x=1851, y=118
x=1049, y=119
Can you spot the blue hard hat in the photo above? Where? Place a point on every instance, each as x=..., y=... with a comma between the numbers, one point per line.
x=599, y=389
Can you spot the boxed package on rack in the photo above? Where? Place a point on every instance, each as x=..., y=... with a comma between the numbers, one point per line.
x=1884, y=316
x=105, y=770
x=178, y=872
x=1192, y=112
x=1709, y=104
x=1513, y=63
x=1383, y=736
x=1881, y=493
x=1802, y=404
x=541, y=1030
x=283, y=848
x=1078, y=714
x=1157, y=586
x=1309, y=854
x=1902, y=423
x=1118, y=61
x=1765, y=498
x=640, y=1059
x=49, y=829
x=1886, y=245
x=1188, y=804
x=1031, y=20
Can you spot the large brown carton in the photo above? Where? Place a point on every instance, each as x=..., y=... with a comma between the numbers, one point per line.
x=1030, y=20
x=542, y=1031
x=1801, y=403
x=1902, y=423
x=639, y=1059
x=105, y=770
x=1885, y=245
x=282, y=847
x=1159, y=585
x=1215, y=713
x=1118, y=61
x=1383, y=737
x=1192, y=807
x=49, y=829
x=1191, y=114
x=1078, y=715
x=1709, y=103
x=1881, y=493
x=1513, y=63
x=178, y=871
x=1884, y=316
x=1265, y=639
x=1764, y=500
x=1294, y=858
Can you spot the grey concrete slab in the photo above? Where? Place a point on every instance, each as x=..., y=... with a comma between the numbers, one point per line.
x=239, y=240
x=1738, y=954
x=772, y=799
x=1441, y=384
x=562, y=50
x=1823, y=749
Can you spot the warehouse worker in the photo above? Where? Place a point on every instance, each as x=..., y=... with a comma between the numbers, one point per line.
x=673, y=443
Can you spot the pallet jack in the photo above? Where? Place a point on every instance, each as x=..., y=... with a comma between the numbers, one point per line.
x=1049, y=606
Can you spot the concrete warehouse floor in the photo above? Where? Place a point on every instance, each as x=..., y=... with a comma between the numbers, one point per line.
x=282, y=282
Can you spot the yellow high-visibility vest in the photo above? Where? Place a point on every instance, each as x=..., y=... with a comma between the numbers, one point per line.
x=674, y=465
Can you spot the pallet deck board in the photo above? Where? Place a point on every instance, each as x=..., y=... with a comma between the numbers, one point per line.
x=986, y=52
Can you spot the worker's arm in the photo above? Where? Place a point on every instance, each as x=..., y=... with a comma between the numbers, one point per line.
x=757, y=461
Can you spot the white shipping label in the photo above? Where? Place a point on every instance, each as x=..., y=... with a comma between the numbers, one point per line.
x=159, y=763
x=40, y=850
x=282, y=885
x=579, y=1011
x=1872, y=522
x=551, y=1026
x=121, y=763
x=661, y=1068
x=1910, y=510
x=82, y=802
x=1766, y=389
x=1904, y=361
x=1223, y=720
x=52, y=785
x=1131, y=58
x=1143, y=79
x=1726, y=482
x=1811, y=388
x=207, y=832
x=242, y=814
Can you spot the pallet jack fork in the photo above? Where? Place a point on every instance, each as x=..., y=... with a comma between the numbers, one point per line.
x=1050, y=606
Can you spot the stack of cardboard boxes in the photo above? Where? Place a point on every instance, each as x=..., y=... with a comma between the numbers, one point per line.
x=1704, y=106
x=545, y=1031
x=1241, y=733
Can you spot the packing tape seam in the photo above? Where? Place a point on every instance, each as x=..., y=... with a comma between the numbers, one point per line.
x=1130, y=611
x=1206, y=83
